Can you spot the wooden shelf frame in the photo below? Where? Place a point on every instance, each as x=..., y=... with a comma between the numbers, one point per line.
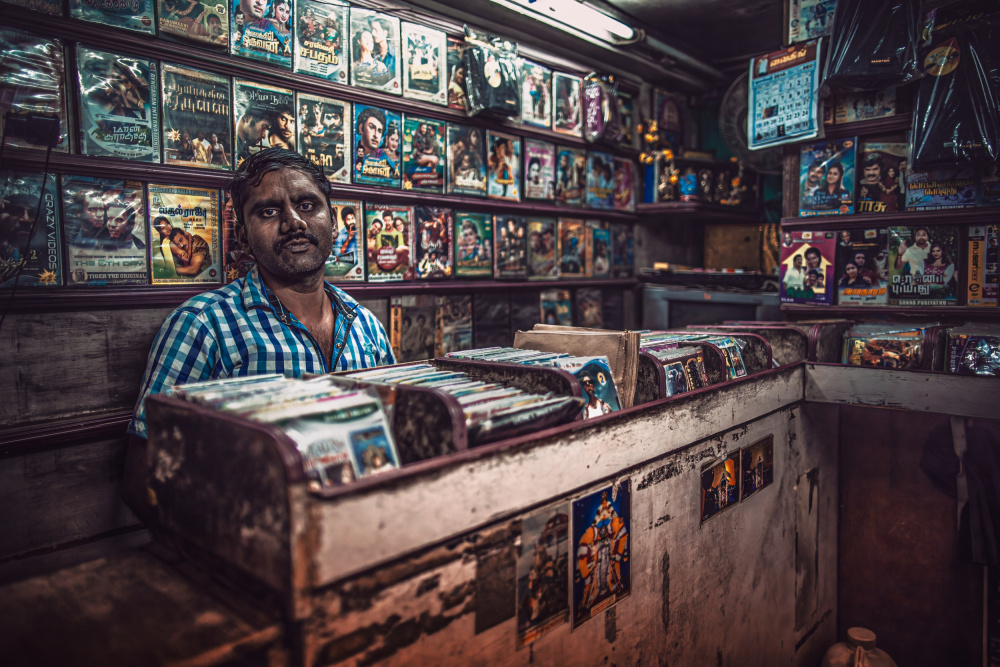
x=675, y=211
x=956, y=216
x=938, y=312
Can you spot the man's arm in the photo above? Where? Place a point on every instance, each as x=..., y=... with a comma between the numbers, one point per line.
x=198, y=263
x=184, y=350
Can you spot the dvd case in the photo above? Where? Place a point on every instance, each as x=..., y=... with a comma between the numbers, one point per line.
x=30, y=246
x=622, y=250
x=807, y=263
x=412, y=332
x=423, y=155
x=851, y=108
x=473, y=245
x=939, y=190
x=136, y=15
x=573, y=243
x=324, y=135
x=31, y=84
x=388, y=232
x=826, y=182
x=435, y=228
x=571, y=176
x=539, y=170
x=504, y=166
x=453, y=331
x=624, y=193
x=466, y=160
x=200, y=21
x=601, y=188
x=542, y=264
x=589, y=307
x=375, y=51
x=982, y=290
x=377, y=152
x=989, y=186
x=184, y=235
x=536, y=95
x=119, y=106
x=881, y=181
x=974, y=349
x=923, y=265
x=511, y=232
x=556, y=308
x=345, y=262
x=104, y=229
x=261, y=30
x=264, y=116
x=425, y=63
x=457, y=97
x=197, y=119
x=236, y=263
x=567, y=115
x=600, y=249
x=862, y=267
x=320, y=36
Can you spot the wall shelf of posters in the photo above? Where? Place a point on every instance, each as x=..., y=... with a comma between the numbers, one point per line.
x=961, y=312
x=869, y=220
x=220, y=62
x=152, y=296
x=672, y=210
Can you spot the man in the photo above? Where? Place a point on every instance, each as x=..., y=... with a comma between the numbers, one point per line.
x=914, y=255
x=251, y=129
x=535, y=171
x=865, y=272
x=282, y=317
x=815, y=176
x=795, y=276
x=283, y=129
x=383, y=51
x=595, y=407
x=371, y=126
x=190, y=253
x=202, y=148
x=121, y=220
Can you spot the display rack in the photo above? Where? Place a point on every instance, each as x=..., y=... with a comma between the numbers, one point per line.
x=961, y=216
x=935, y=312
x=676, y=211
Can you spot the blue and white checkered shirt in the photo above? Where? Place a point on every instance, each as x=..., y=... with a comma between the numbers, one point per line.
x=236, y=331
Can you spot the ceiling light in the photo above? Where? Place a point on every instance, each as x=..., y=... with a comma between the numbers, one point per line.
x=574, y=14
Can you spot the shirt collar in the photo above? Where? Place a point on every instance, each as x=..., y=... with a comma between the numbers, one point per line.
x=255, y=295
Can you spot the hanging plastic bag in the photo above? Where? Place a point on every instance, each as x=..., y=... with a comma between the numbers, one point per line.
x=602, y=120
x=492, y=75
x=873, y=45
x=956, y=114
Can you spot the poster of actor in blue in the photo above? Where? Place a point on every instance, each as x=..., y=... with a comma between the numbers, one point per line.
x=602, y=569
x=376, y=153
x=262, y=30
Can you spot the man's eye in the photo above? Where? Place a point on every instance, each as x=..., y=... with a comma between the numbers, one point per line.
x=268, y=212
x=307, y=206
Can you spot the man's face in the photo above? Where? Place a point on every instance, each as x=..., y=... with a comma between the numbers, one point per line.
x=588, y=386
x=286, y=125
x=288, y=226
x=921, y=237
x=421, y=321
x=117, y=221
x=349, y=220
x=253, y=132
x=371, y=134
x=812, y=260
x=215, y=26
x=378, y=32
x=180, y=246
x=331, y=120
x=859, y=259
x=815, y=175
x=797, y=261
x=534, y=172
x=873, y=173
x=253, y=10
x=845, y=238
x=94, y=213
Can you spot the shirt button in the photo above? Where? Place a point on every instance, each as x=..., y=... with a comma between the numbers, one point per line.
x=340, y=345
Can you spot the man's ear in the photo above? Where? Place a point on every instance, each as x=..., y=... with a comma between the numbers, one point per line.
x=240, y=230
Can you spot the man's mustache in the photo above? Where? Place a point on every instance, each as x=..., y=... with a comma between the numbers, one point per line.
x=282, y=242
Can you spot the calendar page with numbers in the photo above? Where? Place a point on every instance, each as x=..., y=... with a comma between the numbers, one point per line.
x=784, y=96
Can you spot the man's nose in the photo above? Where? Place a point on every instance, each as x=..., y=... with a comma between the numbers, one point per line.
x=291, y=221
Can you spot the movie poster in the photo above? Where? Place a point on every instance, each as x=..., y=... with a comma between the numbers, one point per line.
x=184, y=235
x=201, y=21
x=29, y=248
x=983, y=288
x=539, y=170
x=325, y=135
x=571, y=176
x=261, y=30
x=375, y=56
x=601, y=545
x=136, y=15
x=434, y=229
x=119, y=107
x=236, y=263
x=543, y=573
x=600, y=181
x=31, y=83
x=671, y=114
x=104, y=228
x=511, y=233
x=809, y=19
x=504, y=166
x=425, y=67
x=423, y=155
x=453, y=331
x=942, y=189
x=865, y=106
x=48, y=6
x=757, y=466
x=542, y=264
x=457, y=95
x=556, y=308
x=622, y=250
x=989, y=185
x=572, y=248
x=881, y=178
x=413, y=323
x=923, y=265
x=826, y=182
x=807, y=263
x=378, y=135
x=720, y=486
x=473, y=245
x=624, y=192
x=600, y=249
x=589, y=307
x=388, y=236
x=625, y=108
x=862, y=267
x=567, y=114
x=197, y=118
x=466, y=160
x=536, y=95
x=320, y=36
x=265, y=117
x=345, y=263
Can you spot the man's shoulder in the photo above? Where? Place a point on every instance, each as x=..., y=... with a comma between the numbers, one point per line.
x=223, y=298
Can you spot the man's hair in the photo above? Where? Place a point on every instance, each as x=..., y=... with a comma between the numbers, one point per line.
x=368, y=113
x=926, y=231
x=346, y=211
x=252, y=171
x=254, y=114
x=534, y=161
x=874, y=159
x=174, y=231
x=381, y=23
x=815, y=164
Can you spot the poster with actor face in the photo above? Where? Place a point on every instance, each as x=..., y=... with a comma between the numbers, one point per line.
x=262, y=30
x=375, y=60
x=602, y=567
x=325, y=135
x=377, y=146
x=542, y=573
